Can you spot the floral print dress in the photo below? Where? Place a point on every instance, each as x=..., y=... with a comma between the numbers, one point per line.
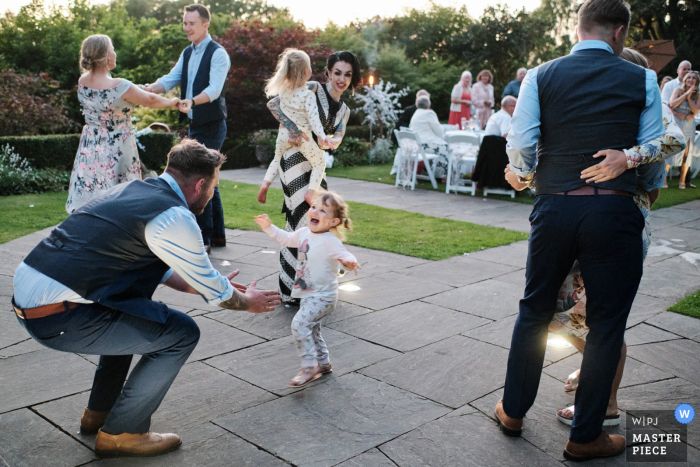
x=107, y=154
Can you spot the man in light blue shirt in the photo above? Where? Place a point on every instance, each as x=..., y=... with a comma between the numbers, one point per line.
x=87, y=288
x=568, y=110
x=201, y=72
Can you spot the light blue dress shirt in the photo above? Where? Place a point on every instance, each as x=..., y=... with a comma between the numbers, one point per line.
x=173, y=236
x=525, y=132
x=220, y=64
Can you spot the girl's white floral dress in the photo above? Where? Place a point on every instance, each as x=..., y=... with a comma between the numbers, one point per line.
x=107, y=154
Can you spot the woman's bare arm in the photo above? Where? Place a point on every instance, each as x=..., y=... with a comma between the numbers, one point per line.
x=138, y=96
x=676, y=98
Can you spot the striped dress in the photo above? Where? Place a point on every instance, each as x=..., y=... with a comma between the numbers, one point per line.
x=295, y=175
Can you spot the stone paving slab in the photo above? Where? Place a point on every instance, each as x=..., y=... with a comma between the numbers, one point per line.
x=635, y=373
x=390, y=289
x=459, y=271
x=645, y=334
x=497, y=332
x=646, y=307
x=234, y=251
x=409, y=326
x=329, y=423
x=490, y=299
x=372, y=458
x=472, y=440
x=687, y=263
x=27, y=440
x=12, y=333
x=514, y=254
x=26, y=346
x=682, y=325
x=217, y=338
x=208, y=445
x=42, y=376
x=454, y=371
x=199, y=394
x=679, y=357
x=273, y=364
x=669, y=284
x=375, y=262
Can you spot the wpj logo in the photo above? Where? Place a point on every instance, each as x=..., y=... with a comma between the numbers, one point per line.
x=658, y=435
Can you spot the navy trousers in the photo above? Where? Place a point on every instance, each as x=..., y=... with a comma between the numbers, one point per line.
x=116, y=337
x=605, y=234
x=211, y=221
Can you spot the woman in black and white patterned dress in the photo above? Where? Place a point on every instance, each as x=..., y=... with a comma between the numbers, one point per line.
x=343, y=72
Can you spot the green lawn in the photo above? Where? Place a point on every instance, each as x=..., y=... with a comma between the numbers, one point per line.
x=690, y=305
x=670, y=196
x=375, y=227
x=24, y=214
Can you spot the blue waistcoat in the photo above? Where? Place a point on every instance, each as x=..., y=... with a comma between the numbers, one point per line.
x=100, y=251
x=589, y=100
x=211, y=111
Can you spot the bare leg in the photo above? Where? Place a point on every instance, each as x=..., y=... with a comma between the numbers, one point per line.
x=668, y=170
x=612, y=404
x=684, y=169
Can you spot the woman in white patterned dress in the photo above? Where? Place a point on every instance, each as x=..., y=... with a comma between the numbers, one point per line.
x=107, y=153
x=343, y=72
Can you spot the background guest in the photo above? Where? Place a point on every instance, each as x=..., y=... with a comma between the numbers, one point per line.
x=426, y=124
x=513, y=88
x=201, y=73
x=499, y=123
x=405, y=117
x=460, y=110
x=107, y=153
x=684, y=101
x=664, y=80
x=683, y=69
x=482, y=96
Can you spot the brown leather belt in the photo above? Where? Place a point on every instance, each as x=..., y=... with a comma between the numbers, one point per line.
x=44, y=311
x=591, y=191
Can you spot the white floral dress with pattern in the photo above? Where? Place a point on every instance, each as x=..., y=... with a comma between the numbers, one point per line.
x=107, y=154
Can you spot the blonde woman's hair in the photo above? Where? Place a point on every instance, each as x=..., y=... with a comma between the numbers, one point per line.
x=485, y=72
x=340, y=210
x=289, y=73
x=694, y=95
x=93, y=52
x=635, y=57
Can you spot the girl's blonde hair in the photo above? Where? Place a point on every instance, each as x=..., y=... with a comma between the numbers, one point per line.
x=340, y=211
x=93, y=52
x=289, y=73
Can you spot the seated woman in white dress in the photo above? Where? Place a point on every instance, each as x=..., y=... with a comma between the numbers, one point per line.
x=426, y=124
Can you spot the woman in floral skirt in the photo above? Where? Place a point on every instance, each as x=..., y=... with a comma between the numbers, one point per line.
x=107, y=154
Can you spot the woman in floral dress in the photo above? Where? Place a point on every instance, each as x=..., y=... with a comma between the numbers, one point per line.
x=107, y=154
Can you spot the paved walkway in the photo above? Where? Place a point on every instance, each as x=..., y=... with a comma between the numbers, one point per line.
x=419, y=355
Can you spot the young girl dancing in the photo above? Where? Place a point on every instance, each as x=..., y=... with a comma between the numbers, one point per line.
x=320, y=255
x=298, y=103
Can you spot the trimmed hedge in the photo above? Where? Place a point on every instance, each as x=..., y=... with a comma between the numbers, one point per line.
x=58, y=151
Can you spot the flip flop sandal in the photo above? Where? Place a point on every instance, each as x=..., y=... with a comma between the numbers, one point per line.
x=305, y=376
x=572, y=380
x=610, y=420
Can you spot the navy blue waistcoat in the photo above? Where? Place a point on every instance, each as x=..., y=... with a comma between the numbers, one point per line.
x=100, y=250
x=589, y=100
x=212, y=111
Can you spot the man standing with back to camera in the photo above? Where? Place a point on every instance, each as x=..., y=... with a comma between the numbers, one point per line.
x=201, y=73
x=568, y=110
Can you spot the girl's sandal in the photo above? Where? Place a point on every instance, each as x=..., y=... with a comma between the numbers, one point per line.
x=681, y=186
x=305, y=376
x=572, y=381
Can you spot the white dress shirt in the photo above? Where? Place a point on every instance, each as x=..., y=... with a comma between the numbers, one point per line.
x=173, y=236
x=498, y=124
x=668, y=90
x=425, y=122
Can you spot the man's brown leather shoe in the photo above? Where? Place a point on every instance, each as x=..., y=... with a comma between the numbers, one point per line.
x=92, y=421
x=135, y=445
x=604, y=446
x=218, y=242
x=509, y=426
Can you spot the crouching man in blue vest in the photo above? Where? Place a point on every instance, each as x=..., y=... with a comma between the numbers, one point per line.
x=201, y=73
x=87, y=288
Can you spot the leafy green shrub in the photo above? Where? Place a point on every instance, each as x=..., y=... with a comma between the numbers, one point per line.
x=353, y=151
x=18, y=178
x=58, y=151
x=381, y=152
x=358, y=131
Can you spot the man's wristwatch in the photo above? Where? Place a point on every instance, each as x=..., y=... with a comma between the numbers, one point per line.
x=193, y=103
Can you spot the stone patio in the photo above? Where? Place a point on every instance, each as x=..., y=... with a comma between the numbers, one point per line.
x=419, y=356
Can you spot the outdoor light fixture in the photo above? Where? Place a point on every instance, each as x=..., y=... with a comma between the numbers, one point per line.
x=349, y=287
x=558, y=343
x=371, y=80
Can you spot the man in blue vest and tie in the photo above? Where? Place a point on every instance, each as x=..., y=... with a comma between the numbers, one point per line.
x=201, y=73
x=568, y=110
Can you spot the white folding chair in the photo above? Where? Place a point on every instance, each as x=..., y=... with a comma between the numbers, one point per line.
x=695, y=163
x=448, y=127
x=412, y=153
x=455, y=182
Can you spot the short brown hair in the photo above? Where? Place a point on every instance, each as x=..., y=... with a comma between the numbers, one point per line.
x=201, y=9
x=604, y=13
x=485, y=72
x=192, y=160
x=635, y=57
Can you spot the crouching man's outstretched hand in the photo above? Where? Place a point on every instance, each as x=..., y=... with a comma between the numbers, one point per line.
x=253, y=300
